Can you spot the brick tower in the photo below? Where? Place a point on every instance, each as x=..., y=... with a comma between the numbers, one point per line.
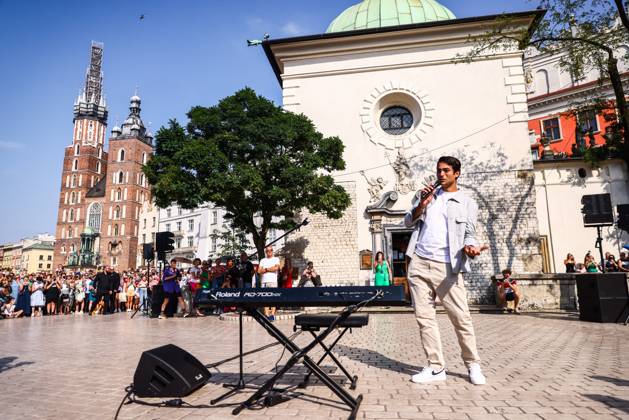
x=84, y=163
x=130, y=147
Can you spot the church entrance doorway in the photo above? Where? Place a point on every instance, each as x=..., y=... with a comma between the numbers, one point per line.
x=399, y=243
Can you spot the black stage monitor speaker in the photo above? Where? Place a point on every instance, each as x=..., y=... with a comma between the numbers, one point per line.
x=603, y=297
x=168, y=371
x=623, y=217
x=597, y=210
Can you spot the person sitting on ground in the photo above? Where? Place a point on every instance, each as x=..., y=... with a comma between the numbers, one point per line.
x=310, y=275
x=8, y=309
x=623, y=262
x=509, y=291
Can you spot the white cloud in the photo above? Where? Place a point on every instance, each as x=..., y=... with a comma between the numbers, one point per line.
x=10, y=145
x=291, y=28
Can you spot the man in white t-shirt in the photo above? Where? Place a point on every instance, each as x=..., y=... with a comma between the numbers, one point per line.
x=268, y=269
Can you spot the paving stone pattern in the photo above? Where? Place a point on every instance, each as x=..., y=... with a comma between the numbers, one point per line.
x=540, y=366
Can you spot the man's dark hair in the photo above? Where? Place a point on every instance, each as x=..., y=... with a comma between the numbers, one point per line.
x=451, y=161
x=506, y=271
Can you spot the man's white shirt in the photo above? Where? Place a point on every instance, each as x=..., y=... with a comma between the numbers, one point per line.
x=269, y=278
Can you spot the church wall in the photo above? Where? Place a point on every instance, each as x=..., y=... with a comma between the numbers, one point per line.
x=330, y=244
x=345, y=94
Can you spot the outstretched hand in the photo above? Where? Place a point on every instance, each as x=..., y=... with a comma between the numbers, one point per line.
x=473, y=251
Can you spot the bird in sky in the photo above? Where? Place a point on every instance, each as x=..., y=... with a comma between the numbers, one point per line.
x=142, y=17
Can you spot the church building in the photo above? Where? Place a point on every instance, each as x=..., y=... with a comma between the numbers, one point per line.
x=388, y=79
x=101, y=191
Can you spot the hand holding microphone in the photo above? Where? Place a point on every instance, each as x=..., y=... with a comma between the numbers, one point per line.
x=427, y=193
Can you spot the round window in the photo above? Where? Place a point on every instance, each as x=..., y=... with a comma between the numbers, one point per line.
x=396, y=120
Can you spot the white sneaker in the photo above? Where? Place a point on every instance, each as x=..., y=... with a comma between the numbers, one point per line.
x=476, y=376
x=428, y=375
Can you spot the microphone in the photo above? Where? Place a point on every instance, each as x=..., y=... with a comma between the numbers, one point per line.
x=421, y=195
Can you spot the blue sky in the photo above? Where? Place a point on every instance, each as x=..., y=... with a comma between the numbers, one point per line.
x=184, y=53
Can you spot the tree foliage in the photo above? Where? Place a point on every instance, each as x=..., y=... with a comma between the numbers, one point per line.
x=588, y=35
x=232, y=241
x=260, y=163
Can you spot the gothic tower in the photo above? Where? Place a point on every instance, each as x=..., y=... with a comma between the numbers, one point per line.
x=84, y=164
x=130, y=147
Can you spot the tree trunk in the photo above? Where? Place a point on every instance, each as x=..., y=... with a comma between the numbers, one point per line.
x=621, y=104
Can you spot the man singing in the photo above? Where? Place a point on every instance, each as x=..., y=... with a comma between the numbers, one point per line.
x=440, y=248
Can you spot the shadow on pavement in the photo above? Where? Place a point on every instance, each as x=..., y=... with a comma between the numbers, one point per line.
x=375, y=359
x=611, y=402
x=7, y=363
x=615, y=381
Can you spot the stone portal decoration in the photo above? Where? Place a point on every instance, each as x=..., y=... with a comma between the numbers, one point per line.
x=376, y=185
x=404, y=182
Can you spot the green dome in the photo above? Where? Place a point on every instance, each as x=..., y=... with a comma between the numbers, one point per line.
x=381, y=13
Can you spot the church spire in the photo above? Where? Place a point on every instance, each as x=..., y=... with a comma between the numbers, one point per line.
x=90, y=102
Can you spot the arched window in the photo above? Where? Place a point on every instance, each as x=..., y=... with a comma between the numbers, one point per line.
x=73, y=197
x=100, y=152
x=118, y=194
x=542, y=86
x=116, y=230
x=69, y=232
x=75, y=165
x=120, y=177
x=144, y=158
x=98, y=167
x=94, y=216
x=117, y=212
x=63, y=249
x=76, y=150
x=71, y=218
x=142, y=180
x=73, y=181
x=121, y=155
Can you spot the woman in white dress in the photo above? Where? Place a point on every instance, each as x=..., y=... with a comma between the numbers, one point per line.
x=37, y=297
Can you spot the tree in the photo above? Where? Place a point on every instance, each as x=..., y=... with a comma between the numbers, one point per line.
x=588, y=34
x=260, y=163
x=231, y=241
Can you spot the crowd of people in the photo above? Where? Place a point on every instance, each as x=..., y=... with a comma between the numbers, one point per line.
x=106, y=291
x=590, y=265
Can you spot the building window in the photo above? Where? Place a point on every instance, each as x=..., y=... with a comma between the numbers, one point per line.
x=144, y=238
x=168, y=212
x=116, y=230
x=98, y=167
x=179, y=211
x=178, y=226
x=118, y=194
x=272, y=235
x=69, y=232
x=71, y=216
x=144, y=158
x=190, y=241
x=120, y=177
x=214, y=217
x=121, y=155
x=41, y=258
x=178, y=243
x=40, y=265
x=396, y=120
x=550, y=129
x=94, y=216
x=75, y=165
x=167, y=227
x=588, y=121
x=77, y=149
x=114, y=261
x=144, y=224
x=213, y=244
x=117, y=212
x=191, y=224
x=47, y=265
x=535, y=154
x=50, y=258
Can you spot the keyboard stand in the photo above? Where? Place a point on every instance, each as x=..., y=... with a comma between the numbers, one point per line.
x=301, y=354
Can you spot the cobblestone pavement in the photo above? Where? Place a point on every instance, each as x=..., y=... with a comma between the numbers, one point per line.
x=542, y=366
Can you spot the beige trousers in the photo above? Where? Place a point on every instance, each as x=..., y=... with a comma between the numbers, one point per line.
x=427, y=279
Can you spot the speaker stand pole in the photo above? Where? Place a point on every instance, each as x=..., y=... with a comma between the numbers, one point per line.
x=143, y=307
x=599, y=245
